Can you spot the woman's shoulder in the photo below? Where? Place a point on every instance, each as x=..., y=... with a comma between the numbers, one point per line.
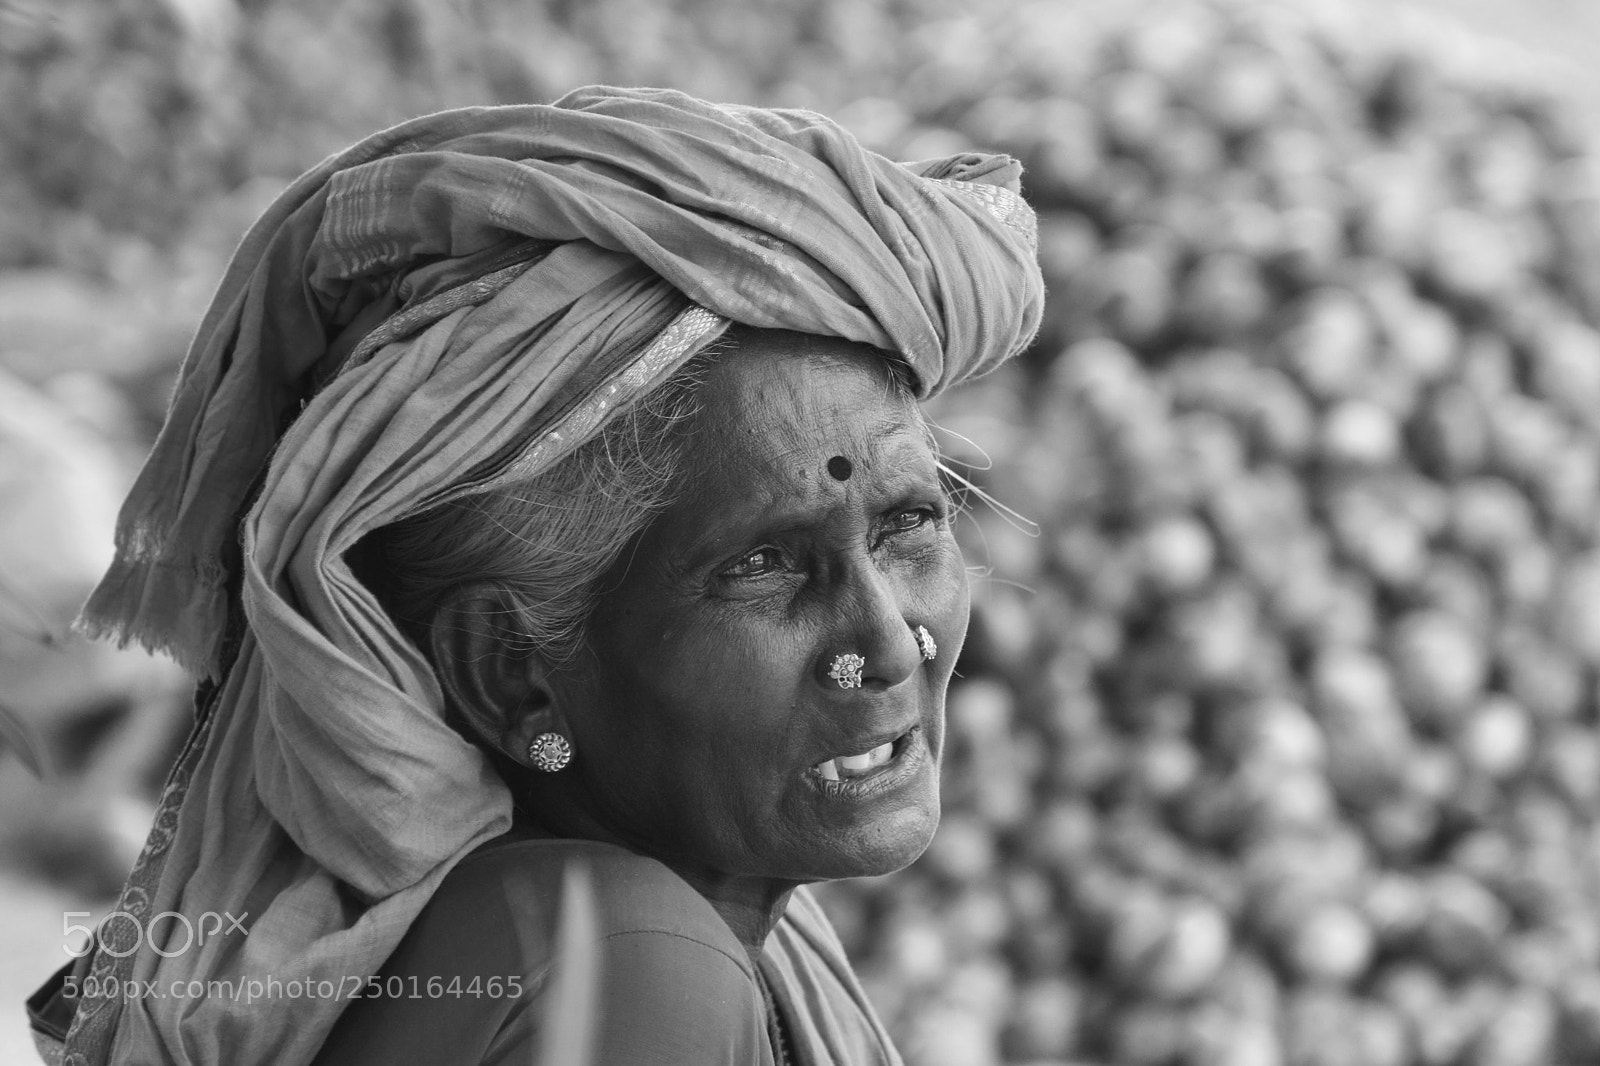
x=675, y=986
x=514, y=884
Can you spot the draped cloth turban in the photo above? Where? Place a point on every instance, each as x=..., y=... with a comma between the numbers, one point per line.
x=452, y=305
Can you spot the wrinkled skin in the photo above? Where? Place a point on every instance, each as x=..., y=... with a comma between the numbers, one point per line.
x=707, y=703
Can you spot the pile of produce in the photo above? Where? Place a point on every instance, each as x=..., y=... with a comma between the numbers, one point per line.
x=1276, y=740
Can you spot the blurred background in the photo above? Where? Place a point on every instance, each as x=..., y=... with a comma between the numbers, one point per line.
x=1277, y=739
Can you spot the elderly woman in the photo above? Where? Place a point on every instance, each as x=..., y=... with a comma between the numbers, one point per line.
x=547, y=488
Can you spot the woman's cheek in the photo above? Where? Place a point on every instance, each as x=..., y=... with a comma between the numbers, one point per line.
x=938, y=594
x=945, y=585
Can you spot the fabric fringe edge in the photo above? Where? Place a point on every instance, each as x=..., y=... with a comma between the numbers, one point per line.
x=190, y=630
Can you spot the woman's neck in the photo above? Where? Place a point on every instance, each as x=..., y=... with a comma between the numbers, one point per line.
x=750, y=906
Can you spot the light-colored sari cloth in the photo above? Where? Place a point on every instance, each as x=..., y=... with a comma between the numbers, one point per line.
x=454, y=303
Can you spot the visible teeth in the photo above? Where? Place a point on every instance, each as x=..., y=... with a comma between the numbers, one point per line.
x=854, y=765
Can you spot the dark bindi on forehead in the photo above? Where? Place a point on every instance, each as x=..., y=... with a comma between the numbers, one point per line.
x=840, y=468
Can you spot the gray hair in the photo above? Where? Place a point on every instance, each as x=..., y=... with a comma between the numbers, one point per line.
x=549, y=541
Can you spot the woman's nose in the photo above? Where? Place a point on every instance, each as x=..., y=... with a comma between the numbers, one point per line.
x=872, y=626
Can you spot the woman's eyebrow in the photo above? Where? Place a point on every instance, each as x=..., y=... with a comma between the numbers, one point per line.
x=751, y=524
x=745, y=530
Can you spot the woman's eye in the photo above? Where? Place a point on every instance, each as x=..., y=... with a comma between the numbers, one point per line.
x=754, y=564
x=910, y=520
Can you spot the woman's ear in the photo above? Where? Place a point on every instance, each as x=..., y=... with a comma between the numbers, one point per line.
x=499, y=686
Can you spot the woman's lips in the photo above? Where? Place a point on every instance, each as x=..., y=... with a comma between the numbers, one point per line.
x=878, y=769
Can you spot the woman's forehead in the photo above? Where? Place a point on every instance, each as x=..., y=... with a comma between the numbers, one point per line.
x=809, y=401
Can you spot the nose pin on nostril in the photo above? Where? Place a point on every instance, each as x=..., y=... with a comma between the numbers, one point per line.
x=846, y=669
x=925, y=644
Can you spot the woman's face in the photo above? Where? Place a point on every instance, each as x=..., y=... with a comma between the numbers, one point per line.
x=811, y=523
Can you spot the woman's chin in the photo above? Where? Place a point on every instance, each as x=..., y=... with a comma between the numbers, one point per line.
x=889, y=844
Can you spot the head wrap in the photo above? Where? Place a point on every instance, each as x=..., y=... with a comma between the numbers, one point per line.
x=452, y=304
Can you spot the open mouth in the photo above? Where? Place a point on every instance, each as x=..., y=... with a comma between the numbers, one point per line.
x=842, y=768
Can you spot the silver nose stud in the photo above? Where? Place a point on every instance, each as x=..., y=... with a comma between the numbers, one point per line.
x=846, y=669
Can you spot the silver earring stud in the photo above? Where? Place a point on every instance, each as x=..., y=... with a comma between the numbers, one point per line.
x=847, y=670
x=550, y=752
x=925, y=644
